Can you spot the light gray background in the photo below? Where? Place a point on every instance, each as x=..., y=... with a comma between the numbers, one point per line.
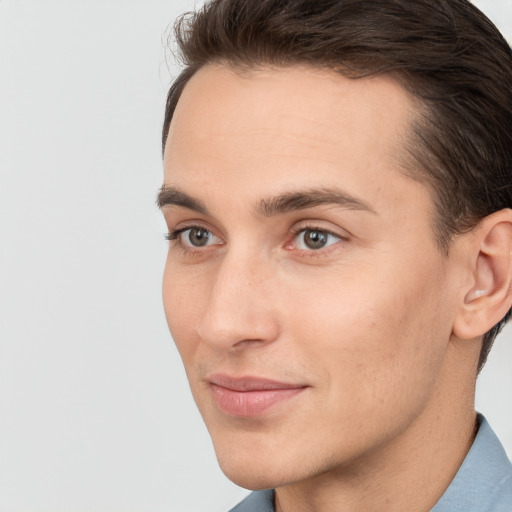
x=95, y=412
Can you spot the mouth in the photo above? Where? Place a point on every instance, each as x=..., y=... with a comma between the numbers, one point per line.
x=246, y=397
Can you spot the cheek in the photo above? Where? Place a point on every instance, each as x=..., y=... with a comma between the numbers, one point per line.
x=181, y=298
x=375, y=336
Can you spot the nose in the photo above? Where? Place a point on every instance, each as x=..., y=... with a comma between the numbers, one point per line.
x=240, y=310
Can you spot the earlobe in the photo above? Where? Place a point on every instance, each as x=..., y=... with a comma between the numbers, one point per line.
x=489, y=297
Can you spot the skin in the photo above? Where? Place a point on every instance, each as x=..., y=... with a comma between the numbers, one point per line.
x=365, y=323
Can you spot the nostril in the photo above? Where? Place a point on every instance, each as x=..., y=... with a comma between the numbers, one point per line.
x=249, y=343
x=248, y=328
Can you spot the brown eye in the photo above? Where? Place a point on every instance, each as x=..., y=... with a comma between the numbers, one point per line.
x=315, y=239
x=198, y=237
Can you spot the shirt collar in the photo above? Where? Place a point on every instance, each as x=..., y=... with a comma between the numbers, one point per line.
x=484, y=480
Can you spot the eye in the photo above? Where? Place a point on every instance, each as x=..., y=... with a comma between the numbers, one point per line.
x=314, y=239
x=195, y=237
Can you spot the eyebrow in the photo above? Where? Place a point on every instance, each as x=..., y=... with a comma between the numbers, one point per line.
x=283, y=203
x=171, y=196
x=301, y=200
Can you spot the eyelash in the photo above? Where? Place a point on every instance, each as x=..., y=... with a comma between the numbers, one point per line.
x=296, y=231
x=175, y=234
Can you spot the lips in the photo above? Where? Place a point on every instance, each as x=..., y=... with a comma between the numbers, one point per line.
x=250, y=396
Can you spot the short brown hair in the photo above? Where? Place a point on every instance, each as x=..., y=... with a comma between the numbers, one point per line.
x=446, y=53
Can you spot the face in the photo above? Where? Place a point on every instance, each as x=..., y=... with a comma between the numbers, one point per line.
x=302, y=285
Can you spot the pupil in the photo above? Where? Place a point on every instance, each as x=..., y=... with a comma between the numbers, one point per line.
x=315, y=239
x=198, y=237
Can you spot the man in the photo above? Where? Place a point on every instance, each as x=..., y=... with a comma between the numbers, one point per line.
x=338, y=192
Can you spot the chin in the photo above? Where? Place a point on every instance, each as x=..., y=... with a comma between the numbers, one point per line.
x=247, y=479
x=254, y=477
x=251, y=463
x=259, y=462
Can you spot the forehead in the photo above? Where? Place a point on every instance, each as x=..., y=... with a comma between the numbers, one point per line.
x=268, y=130
x=300, y=101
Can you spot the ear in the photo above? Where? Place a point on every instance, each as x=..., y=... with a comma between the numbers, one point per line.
x=488, y=297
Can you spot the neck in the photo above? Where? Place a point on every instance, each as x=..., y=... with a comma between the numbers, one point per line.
x=411, y=472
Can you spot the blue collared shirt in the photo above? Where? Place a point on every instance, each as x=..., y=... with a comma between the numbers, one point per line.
x=482, y=484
